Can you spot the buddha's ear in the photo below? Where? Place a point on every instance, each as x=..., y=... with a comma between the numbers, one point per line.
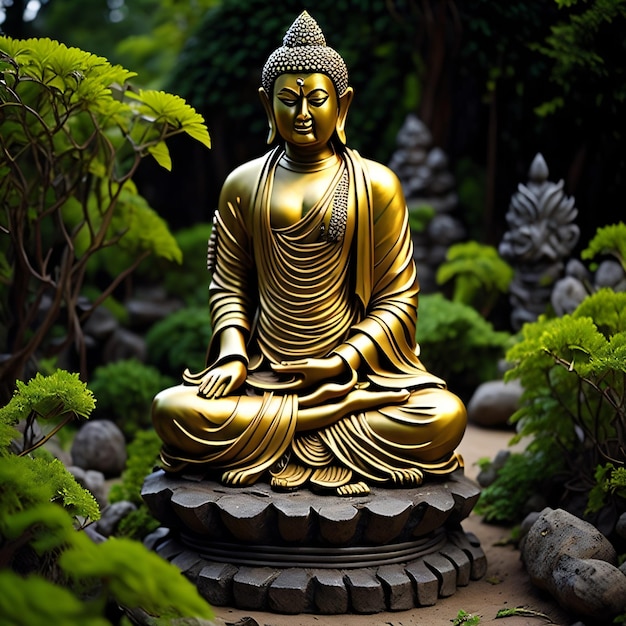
x=345, y=100
x=267, y=105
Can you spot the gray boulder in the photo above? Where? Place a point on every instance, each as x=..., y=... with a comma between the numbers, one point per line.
x=112, y=515
x=575, y=562
x=494, y=402
x=100, y=445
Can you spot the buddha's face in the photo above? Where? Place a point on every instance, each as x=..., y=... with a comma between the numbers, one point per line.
x=305, y=108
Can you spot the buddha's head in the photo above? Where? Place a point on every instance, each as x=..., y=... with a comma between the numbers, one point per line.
x=305, y=88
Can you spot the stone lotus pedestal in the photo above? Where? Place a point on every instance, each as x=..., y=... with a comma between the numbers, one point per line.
x=300, y=552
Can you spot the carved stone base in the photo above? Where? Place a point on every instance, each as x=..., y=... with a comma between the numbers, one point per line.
x=299, y=552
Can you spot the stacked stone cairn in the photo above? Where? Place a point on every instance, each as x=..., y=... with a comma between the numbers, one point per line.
x=426, y=180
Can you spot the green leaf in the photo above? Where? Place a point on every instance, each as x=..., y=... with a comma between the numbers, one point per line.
x=135, y=576
x=608, y=240
x=162, y=155
x=29, y=601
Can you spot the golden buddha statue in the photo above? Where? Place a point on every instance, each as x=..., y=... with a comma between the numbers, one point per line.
x=313, y=376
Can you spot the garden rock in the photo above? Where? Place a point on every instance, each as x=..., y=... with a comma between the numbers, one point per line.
x=100, y=445
x=112, y=515
x=575, y=562
x=124, y=344
x=610, y=274
x=493, y=402
x=567, y=294
x=91, y=480
x=620, y=527
x=489, y=474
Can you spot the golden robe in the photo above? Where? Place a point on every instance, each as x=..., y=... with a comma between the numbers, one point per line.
x=343, y=275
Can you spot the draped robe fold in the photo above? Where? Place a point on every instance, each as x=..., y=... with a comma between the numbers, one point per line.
x=297, y=292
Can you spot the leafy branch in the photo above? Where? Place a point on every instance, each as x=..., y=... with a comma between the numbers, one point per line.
x=74, y=134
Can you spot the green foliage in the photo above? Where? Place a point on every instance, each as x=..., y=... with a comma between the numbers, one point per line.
x=420, y=216
x=41, y=506
x=180, y=341
x=480, y=275
x=582, y=47
x=31, y=483
x=189, y=281
x=74, y=133
x=28, y=601
x=505, y=499
x=125, y=390
x=133, y=576
x=608, y=240
x=143, y=454
x=465, y=618
x=610, y=483
x=520, y=611
x=573, y=407
x=53, y=400
x=456, y=340
x=572, y=371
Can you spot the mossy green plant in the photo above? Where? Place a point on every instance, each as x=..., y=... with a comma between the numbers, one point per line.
x=457, y=343
x=42, y=515
x=180, y=341
x=478, y=273
x=125, y=390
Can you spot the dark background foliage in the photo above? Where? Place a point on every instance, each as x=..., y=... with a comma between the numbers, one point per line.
x=496, y=82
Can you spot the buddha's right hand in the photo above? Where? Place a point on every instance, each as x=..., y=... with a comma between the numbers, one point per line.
x=221, y=380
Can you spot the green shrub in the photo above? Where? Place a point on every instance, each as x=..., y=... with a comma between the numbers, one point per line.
x=480, y=275
x=190, y=281
x=125, y=390
x=420, y=216
x=143, y=456
x=608, y=240
x=64, y=577
x=573, y=407
x=180, y=341
x=457, y=343
x=504, y=501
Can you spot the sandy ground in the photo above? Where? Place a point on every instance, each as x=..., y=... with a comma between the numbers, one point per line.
x=505, y=586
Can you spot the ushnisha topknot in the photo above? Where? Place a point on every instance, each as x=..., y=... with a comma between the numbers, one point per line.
x=304, y=49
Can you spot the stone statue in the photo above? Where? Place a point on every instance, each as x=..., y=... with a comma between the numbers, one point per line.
x=313, y=375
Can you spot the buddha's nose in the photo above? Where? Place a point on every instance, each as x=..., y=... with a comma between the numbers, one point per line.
x=303, y=113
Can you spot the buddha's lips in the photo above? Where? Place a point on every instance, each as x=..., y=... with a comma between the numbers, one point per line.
x=304, y=128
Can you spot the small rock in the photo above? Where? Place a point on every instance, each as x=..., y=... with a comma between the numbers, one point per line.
x=101, y=324
x=112, y=515
x=610, y=274
x=494, y=402
x=91, y=480
x=99, y=445
x=124, y=344
x=527, y=522
x=567, y=294
x=620, y=527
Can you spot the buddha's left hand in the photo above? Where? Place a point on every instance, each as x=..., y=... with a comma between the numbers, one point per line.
x=311, y=372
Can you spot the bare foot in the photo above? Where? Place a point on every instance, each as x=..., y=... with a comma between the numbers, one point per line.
x=239, y=478
x=410, y=477
x=360, y=399
x=353, y=489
